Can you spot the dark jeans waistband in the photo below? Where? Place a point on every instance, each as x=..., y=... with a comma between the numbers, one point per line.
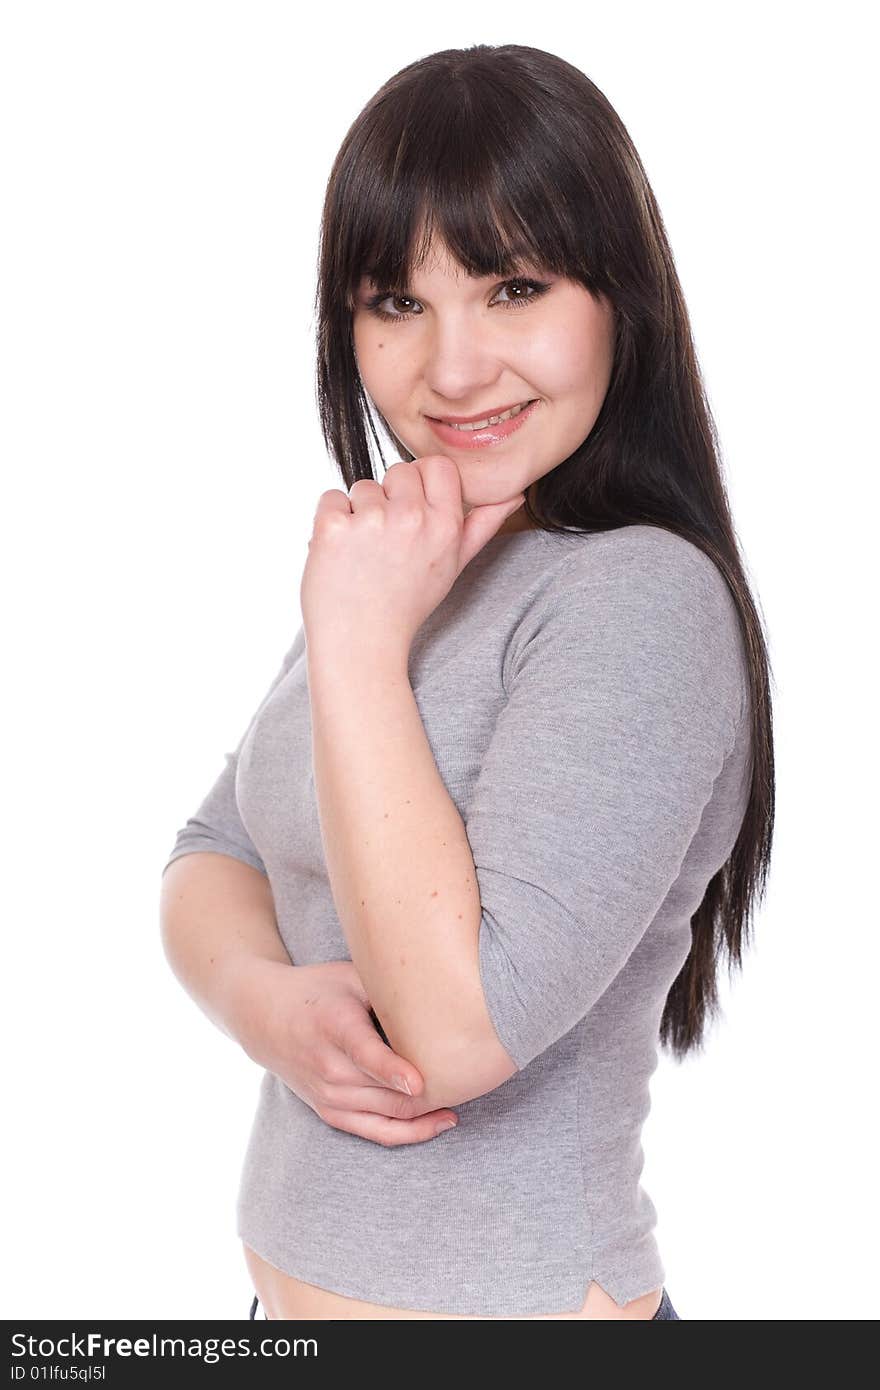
x=665, y=1310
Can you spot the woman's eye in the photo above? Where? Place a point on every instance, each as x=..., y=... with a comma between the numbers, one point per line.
x=523, y=285
x=400, y=299
x=526, y=292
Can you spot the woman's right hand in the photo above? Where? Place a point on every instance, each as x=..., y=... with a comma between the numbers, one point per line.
x=310, y=1025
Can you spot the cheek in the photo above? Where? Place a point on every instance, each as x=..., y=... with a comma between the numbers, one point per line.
x=380, y=361
x=574, y=362
x=549, y=368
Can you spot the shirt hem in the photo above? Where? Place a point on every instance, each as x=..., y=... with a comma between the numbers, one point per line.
x=536, y=1304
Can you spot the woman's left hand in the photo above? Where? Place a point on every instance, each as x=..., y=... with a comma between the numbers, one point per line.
x=385, y=555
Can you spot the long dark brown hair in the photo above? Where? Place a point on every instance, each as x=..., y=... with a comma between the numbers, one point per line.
x=513, y=155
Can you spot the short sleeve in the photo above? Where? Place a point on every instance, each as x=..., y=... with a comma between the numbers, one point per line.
x=625, y=693
x=216, y=826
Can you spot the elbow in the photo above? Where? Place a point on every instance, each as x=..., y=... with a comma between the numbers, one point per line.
x=473, y=1060
x=464, y=1060
x=468, y=1071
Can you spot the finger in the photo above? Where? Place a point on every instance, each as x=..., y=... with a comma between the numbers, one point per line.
x=481, y=525
x=380, y=1129
x=335, y=500
x=403, y=481
x=370, y=1055
x=353, y=1095
x=366, y=495
x=441, y=478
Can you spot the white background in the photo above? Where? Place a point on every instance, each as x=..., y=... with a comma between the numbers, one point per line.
x=163, y=167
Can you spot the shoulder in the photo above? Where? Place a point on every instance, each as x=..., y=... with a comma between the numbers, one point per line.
x=642, y=571
x=639, y=595
x=643, y=558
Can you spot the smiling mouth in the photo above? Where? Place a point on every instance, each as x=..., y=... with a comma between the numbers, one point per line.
x=487, y=420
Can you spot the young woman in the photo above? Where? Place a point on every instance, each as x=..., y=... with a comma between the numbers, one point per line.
x=510, y=796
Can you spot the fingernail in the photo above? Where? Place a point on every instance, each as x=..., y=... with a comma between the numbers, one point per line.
x=447, y=1124
x=401, y=1084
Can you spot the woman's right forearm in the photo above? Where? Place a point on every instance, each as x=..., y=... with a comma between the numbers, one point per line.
x=218, y=923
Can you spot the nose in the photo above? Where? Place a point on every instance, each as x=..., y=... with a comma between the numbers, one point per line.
x=460, y=360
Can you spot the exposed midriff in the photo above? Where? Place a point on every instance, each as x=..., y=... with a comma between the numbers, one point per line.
x=285, y=1297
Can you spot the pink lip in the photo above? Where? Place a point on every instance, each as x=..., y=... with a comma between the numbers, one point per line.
x=478, y=439
x=480, y=415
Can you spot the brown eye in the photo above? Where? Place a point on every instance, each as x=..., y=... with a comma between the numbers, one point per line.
x=536, y=287
x=375, y=300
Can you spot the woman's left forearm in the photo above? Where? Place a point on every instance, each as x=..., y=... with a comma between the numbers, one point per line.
x=398, y=858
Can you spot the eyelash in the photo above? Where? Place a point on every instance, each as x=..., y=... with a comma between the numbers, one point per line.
x=539, y=286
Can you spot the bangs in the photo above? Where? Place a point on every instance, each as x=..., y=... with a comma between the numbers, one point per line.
x=482, y=235
x=457, y=166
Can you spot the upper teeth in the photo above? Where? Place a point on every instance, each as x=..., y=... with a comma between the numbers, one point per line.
x=492, y=420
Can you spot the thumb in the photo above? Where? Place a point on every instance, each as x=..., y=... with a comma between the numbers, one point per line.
x=482, y=523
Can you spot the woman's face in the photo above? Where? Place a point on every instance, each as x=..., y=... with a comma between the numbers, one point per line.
x=455, y=346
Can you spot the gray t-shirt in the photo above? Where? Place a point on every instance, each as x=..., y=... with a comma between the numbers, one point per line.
x=586, y=701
